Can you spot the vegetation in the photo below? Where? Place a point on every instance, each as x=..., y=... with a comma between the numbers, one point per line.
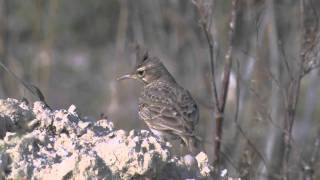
x=252, y=66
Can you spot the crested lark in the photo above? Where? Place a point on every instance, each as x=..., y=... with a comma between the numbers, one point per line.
x=166, y=107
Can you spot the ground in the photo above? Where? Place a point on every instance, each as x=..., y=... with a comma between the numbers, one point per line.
x=40, y=143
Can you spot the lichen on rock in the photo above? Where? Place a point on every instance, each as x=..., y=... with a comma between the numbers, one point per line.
x=39, y=143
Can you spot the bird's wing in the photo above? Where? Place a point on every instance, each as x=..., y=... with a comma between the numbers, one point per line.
x=166, y=109
x=188, y=107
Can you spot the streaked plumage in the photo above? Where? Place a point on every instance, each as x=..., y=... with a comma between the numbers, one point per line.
x=168, y=109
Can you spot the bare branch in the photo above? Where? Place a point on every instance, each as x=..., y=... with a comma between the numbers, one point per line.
x=228, y=56
x=285, y=60
x=34, y=90
x=309, y=42
x=205, y=15
x=220, y=101
x=251, y=144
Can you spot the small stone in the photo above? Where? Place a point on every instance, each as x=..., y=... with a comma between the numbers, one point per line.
x=224, y=173
x=9, y=136
x=83, y=125
x=72, y=109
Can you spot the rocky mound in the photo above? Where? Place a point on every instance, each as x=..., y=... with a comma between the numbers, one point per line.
x=39, y=143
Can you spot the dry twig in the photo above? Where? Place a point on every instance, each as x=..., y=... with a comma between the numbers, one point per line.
x=219, y=99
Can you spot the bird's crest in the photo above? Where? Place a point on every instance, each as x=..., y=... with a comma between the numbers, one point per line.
x=141, y=54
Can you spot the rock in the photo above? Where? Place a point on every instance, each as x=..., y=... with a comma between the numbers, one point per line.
x=61, y=145
x=14, y=116
x=4, y=162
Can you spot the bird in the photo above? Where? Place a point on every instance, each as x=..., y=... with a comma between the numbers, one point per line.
x=167, y=108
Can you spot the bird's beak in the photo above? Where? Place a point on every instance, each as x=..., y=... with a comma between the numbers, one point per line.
x=127, y=76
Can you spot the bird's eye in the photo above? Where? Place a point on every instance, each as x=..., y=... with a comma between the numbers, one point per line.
x=140, y=73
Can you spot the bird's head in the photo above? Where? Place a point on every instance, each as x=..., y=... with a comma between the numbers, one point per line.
x=148, y=69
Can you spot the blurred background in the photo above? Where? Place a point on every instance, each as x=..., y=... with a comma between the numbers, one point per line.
x=74, y=50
